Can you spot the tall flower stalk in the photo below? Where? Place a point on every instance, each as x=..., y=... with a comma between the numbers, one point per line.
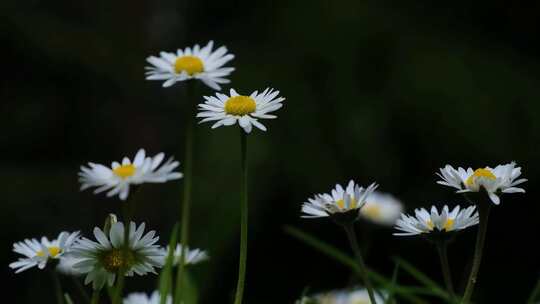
x=188, y=175
x=351, y=235
x=483, y=213
x=442, y=250
x=243, y=219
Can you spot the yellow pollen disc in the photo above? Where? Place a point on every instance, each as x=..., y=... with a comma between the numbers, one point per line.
x=115, y=259
x=53, y=252
x=189, y=64
x=372, y=211
x=448, y=225
x=240, y=105
x=341, y=204
x=486, y=173
x=429, y=223
x=125, y=171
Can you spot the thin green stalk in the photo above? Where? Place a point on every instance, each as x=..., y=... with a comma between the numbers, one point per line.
x=57, y=287
x=95, y=297
x=349, y=229
x=483, y=212
x=535, y=293
x=442, y=249
x=243, y=220
x=188, y=173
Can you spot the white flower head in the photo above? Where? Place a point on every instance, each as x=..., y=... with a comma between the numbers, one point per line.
x=199, y=63
x=428, y=222
x=246, y=110
x=340, y=200
x=66, y=265
x=102, y=260
x=119, y=177
x=501, y=179
x=381, y=208
x=355, y=296
x=142, y=298
x=39, y=253
x=191, y=256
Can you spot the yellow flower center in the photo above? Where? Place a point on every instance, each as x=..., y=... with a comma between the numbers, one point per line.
x=240, y=105
x=117, y=259
x=53, y=252
x=447, y=225
x=189, y=64
x=371, y=211
x=486, y=173
x=125, y=171
x=341, y=204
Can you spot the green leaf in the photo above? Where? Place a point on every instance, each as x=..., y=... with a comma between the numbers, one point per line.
x=190, y=294
x=406, y=292
x=166, y=277
x=68, y=298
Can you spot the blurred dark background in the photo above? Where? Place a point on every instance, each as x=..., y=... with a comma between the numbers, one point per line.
x=384, y=91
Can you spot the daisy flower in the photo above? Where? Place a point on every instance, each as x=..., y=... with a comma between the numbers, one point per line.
x=355, y=296
x=429, y=222
x=191, y=63
x=501, y=179
x=339, y=201
x=246, y=110
x=102, y=260
x=119, y=177
x=66, y=263
x=142, y=298
x=193, y=256
x=381, y=208
x=39, y=253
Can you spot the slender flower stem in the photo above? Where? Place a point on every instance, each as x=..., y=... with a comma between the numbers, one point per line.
x=349, y=229
x=534, y=293
x=95, y=297
x=81, y=289
x=243, y=220
x=483, y=213
x=188, y=173
x=442, y=249
x=57, y=287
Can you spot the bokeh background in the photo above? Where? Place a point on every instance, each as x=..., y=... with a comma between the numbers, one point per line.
x=385, y=91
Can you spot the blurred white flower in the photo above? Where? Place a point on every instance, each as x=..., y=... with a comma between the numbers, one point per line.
x=142, y=298
x=102, y=260
x=381, y=208
x=340, y=200
x=427, y=222
x=199, y=63
x=246, y=110
x=66, y=263
x=119, y=177
x=355, y=296
x=38, y=253
x=501, y=179
x=191, y=256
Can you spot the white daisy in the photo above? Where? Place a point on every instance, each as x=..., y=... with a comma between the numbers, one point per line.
x=428, y=222
x=119, y=177
x=338, y=201
x=501, y=179
x=355, y=296
x=381, y=208
x=39, y=253
x=246, y=110
x=102, y=260
x=191, y=63
x=142, y=298
x=66, y=263
x=191, y=256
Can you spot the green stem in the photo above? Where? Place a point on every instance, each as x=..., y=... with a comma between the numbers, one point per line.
x=535, y=293
x=483, y=212
x=349, y=229
x=57, y=287
x=95, y=297
x=188, y=173
x=243, y=220
x=442, y=249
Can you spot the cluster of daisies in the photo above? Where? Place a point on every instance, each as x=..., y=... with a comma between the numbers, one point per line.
x=125, y=249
